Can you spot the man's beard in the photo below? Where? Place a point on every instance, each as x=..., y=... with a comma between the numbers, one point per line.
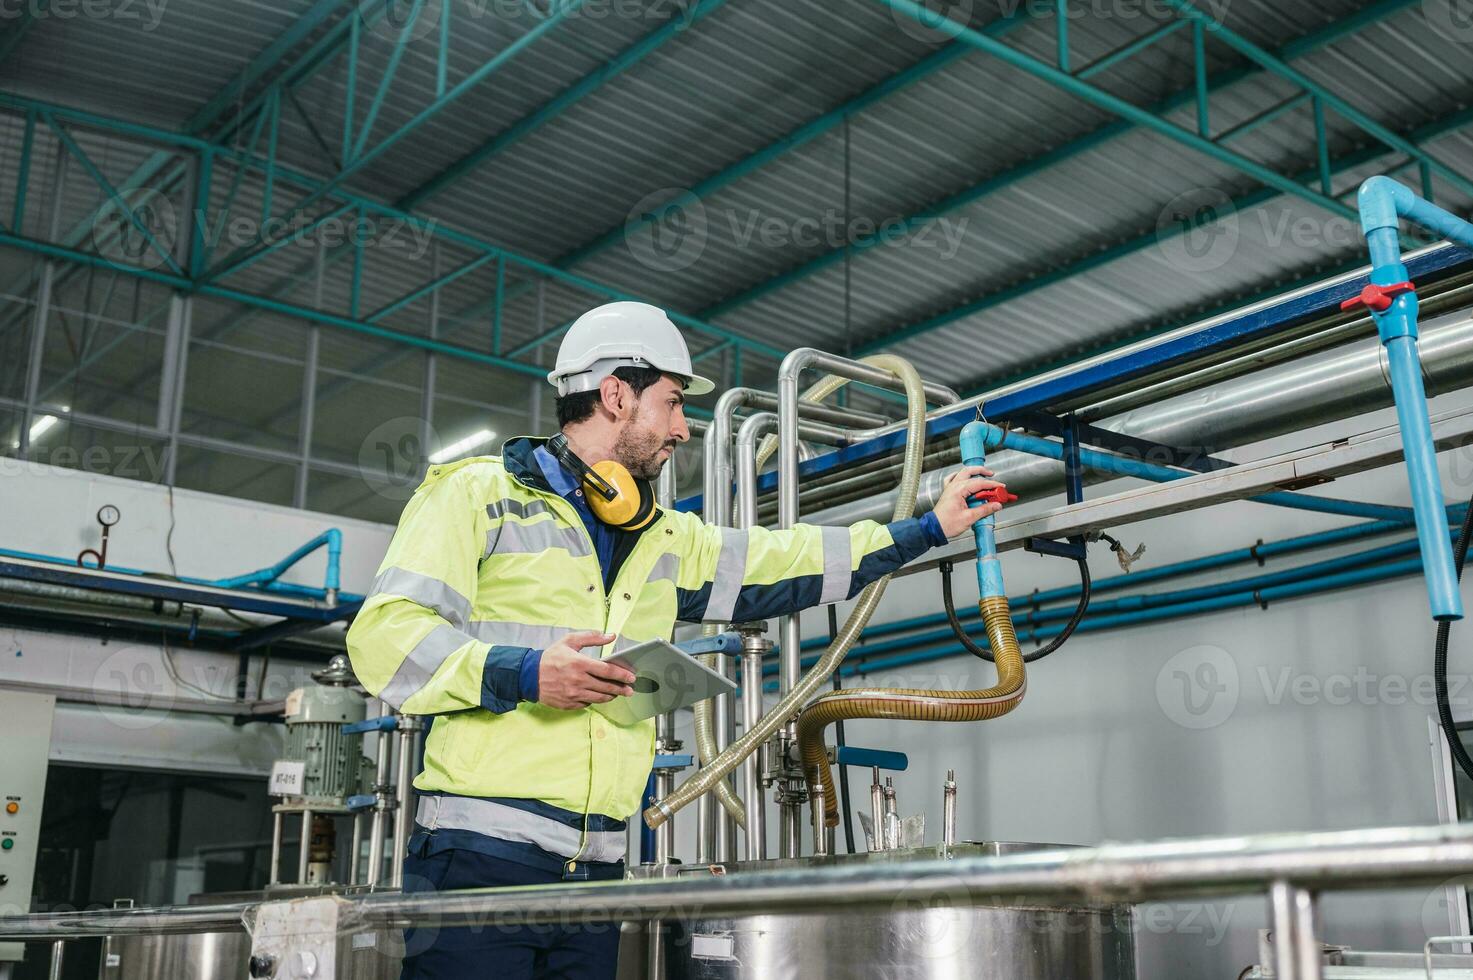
x=638, y=449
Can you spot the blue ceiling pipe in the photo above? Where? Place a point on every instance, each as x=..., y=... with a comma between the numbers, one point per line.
x=1262, y=585
x=948, y=647
x=1392, y=300
x=1192, y=566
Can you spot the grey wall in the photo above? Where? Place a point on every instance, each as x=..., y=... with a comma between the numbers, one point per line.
x=1323, y=724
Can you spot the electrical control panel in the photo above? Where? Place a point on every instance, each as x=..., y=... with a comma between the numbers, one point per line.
x=25, y=734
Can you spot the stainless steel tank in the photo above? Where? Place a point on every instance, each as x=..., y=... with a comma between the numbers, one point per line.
x=226, y=955
x=921, y=938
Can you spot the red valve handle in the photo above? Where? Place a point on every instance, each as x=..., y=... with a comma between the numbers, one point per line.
x=994, y=495
x=1377, y=298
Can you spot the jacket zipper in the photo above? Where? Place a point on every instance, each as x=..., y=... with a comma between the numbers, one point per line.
x=577, y=520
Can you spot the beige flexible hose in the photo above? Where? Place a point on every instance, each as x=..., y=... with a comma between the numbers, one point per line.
x=706, y=749
x=913, y=705
x=869, y=599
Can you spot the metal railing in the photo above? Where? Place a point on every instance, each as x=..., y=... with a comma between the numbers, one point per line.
x=1289, y=870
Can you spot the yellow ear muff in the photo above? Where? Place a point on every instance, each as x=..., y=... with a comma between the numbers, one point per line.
x=634, y=507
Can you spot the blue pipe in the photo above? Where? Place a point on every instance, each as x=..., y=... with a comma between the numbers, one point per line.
x=1259, y=584
x=989, y=568
x=1125, y=466
x=1383, y=202
x=1191, y=566
x=1326, y=583
x=265, y=578
x=332, y=538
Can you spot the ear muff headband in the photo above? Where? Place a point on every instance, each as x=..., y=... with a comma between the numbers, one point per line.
x=616, y=496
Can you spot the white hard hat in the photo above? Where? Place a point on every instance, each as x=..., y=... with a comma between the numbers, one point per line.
x=619, y=335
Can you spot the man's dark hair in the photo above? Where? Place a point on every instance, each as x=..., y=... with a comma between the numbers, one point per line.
x=578, y=407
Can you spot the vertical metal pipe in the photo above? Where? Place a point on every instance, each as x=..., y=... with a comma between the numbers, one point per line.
x=380, y=805
x=948, y=809
x=276, y=848
x=664, y=726
x=820, y=832
x=756, y=829
x=791, y=628
x=357, y=849
x=877, y=811
x=58, y=956
x=306, y=847
x=404, y=798
x=1295, y=941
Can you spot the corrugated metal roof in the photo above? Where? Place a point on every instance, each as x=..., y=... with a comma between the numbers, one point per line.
x=721, y=90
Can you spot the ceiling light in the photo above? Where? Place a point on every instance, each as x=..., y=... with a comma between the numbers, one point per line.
x=458, y=449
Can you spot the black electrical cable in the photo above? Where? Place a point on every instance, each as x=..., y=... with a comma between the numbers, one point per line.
x=1028, y=658
x=1439, y=670
x=844, y=806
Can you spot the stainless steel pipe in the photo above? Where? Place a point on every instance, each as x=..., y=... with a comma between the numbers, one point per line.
x=1334, y=861
x=403, y=800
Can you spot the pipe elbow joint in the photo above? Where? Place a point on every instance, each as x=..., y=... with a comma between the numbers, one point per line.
x=977, y=437
x=1382, y=201
x=797, y=361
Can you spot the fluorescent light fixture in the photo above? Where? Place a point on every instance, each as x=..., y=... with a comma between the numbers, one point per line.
x=458, y=449
x=41, y=425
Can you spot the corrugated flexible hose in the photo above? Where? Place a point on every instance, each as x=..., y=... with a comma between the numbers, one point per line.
x=869, y=599
x=927, y=705
x=913, y=704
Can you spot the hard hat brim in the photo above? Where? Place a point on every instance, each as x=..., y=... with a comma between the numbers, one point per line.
x=698, y=385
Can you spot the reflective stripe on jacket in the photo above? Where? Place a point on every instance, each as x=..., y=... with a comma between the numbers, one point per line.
x=488, y=562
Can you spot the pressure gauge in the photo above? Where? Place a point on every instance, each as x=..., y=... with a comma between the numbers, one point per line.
x=108, y=515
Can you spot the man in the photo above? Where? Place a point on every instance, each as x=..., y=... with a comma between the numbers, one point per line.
x=502, y=591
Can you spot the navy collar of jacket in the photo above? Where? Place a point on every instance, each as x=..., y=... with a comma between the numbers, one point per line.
x=516, y=456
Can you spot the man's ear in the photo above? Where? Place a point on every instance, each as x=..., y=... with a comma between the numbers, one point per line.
x=614, y=396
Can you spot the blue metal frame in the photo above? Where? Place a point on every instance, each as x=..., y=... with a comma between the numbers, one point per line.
x=287, y=176
x=998, y=182
x=555, y=106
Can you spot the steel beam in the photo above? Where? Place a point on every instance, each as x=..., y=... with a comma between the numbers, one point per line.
x=1142, y=241
x=558, y=104
x=1090, y=141
x=1368, y=450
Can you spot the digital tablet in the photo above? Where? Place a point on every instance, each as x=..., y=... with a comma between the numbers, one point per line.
x=665, y=678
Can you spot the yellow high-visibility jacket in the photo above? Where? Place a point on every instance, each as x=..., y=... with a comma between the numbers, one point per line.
x=489, y=562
